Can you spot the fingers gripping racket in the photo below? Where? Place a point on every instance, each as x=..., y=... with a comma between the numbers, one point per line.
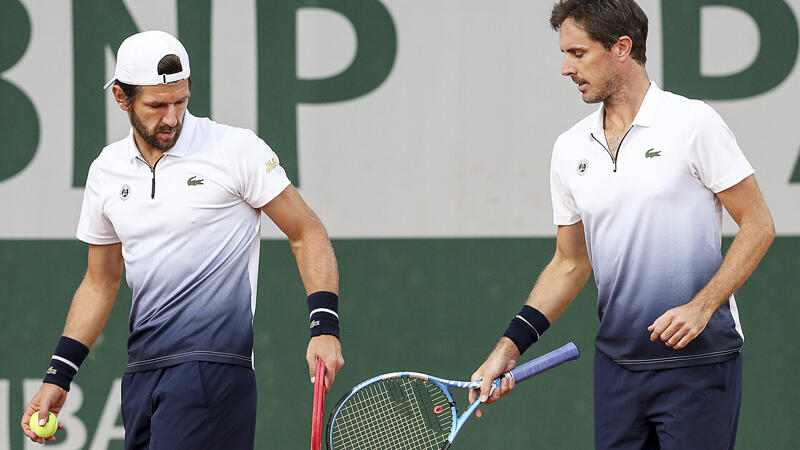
x=409, y=410
x=318, y=409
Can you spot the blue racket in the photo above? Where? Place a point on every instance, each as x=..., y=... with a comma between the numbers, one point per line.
x=409, y=410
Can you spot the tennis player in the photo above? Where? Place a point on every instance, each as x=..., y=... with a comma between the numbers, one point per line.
x=178, y=203
x=637, y=189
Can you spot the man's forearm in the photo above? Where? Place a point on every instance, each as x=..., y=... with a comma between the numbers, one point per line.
x=89, y=311
x=316, y=261
x=94, y=298
x=746, y=251
x=557, y=286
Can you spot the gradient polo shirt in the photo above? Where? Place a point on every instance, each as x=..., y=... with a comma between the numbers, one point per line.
x=652, y=223
x=190, y=234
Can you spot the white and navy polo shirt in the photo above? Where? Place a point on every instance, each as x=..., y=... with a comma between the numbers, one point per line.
x=652, y=223
x=190, y=234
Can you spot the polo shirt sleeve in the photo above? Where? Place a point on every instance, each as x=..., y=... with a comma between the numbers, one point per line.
x=255, y=168
x=94, y=227
x=716, y=158
x=565, y=211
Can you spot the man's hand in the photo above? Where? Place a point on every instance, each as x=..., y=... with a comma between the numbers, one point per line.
x=326, y=348
x=50, y=398
x=679, y=326
x=502, y=359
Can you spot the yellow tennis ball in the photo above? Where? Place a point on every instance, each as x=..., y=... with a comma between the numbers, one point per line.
x=48, y=429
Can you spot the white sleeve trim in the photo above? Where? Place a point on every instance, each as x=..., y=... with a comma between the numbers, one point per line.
x=732, y=180
x=270, y=196
x=566, y=220
x=95, y=240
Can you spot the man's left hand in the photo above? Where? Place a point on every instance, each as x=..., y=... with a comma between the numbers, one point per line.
x=326, y=348
x=679, y=326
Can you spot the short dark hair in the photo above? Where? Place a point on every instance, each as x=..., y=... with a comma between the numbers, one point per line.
x=168, y=65
x=606, y=21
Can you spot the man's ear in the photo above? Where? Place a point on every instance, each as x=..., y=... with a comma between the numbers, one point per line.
x=623, y=47
x=119, y=96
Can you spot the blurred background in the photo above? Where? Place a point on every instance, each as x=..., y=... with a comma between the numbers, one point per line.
x=420, y=132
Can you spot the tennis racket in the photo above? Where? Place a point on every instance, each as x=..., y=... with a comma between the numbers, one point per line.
x=318, y=409
x=409, y=410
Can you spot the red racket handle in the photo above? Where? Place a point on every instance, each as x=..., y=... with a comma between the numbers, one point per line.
x=318, y=410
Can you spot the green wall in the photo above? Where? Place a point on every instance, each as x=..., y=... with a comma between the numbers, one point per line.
x=431, y=305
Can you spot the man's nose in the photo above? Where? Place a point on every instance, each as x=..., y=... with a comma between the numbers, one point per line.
x=171, y=116
x=567, y=68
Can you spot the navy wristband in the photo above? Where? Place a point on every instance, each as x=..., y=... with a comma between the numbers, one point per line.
x=67, y=358
x=323, y=313
x=526, y=327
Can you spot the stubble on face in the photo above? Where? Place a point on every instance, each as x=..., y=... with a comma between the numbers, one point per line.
x=151, y=136
x=588, y=63
x=603, y=92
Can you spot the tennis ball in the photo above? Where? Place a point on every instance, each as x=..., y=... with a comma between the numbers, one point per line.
x=48, y=429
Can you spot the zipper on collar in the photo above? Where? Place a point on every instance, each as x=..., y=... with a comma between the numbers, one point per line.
x=619, y=147
x=153, y=171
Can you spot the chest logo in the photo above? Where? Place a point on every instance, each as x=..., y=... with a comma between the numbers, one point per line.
x=193, y=182
x=124, y=192
x=652, y=154
x=583, y=166
x=271, y=165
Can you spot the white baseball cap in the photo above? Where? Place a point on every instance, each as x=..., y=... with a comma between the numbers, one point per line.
x=138, y=57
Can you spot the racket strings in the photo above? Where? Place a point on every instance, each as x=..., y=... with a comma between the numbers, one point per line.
x=397, y=413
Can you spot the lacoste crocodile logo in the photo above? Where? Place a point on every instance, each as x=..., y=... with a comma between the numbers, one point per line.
x=193, y=182
x=271, y=165
x=651, y=154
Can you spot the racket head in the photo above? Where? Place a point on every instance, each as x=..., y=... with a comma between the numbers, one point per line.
x=400, y=410
x=318, y=408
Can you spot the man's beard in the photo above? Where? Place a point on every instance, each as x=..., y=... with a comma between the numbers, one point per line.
x=606, y=91
x=151, y=137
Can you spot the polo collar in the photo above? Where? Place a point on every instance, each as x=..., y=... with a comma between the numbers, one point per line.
x=179, y=149
x=649, y=107
x=645, y=116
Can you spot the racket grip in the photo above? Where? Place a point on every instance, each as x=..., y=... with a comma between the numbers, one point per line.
x=545, y=362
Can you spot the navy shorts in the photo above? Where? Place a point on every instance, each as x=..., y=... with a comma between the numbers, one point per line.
x=196, y=404
x=685, y=408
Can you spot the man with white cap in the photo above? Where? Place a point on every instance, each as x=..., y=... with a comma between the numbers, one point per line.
x=177, y=203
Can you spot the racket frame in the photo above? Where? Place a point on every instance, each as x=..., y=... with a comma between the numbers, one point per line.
x=318, y=407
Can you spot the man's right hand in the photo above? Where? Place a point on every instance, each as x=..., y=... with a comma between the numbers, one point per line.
x=50, y=398
x=502, y=359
